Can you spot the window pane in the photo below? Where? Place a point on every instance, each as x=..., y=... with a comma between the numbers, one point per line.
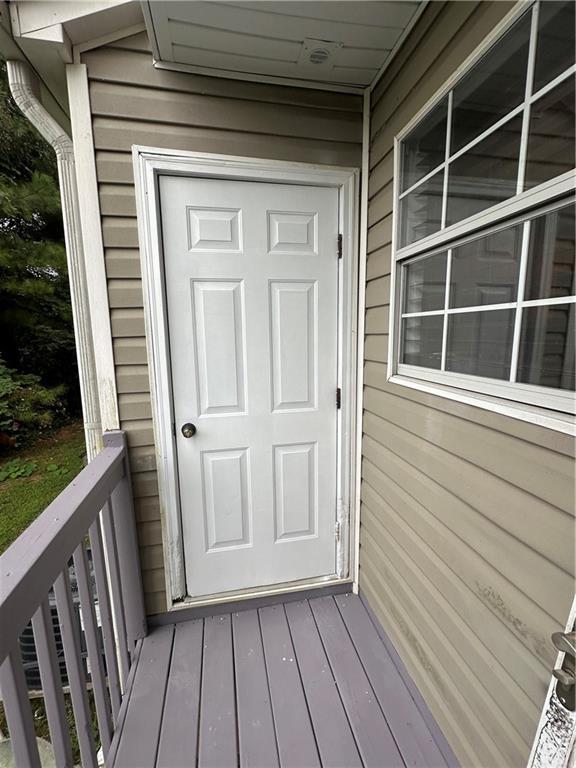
x=424, y=147
x=422, y=341
x=486, y=174
x=425, y=284
x=551, y=136
x=493, y=88
x=421, y=210
x=551, y=256
x=485, y=271
x=547, y=344
x=556, y=43
x=480, y=343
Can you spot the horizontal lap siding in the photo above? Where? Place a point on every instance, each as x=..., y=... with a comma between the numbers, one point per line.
x=467, y=518
x=134, y=103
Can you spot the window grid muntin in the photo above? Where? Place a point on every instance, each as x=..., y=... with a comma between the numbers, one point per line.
x=444, y=213
x=528, y=204
x=525, y=106
x=446, y=307
x=523, y=109
x=517, y=305
x=492, y=307
x=521, y=292
x=527, y=99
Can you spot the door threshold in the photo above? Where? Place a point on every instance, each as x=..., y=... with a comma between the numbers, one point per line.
x=232, y=602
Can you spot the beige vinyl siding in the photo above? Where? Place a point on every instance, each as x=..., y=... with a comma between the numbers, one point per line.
x=134, y=103
x=467, y=527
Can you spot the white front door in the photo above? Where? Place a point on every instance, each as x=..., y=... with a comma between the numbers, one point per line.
x=251, y=273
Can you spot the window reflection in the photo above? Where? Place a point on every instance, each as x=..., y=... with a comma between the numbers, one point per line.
x=424, y=147
x=480, y=343
x=486, y=174
x=422, y=341
x=494, y=87
x=421, y=210
x=551, y=135
x=426, y=284
x=552, y=256
x=555, y=43
x=547, y=346
x=485, y=271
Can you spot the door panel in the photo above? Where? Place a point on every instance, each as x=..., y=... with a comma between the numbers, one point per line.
x=295, y=483
x=219, y=345
x=293, y=324
x=226, y=501
x=251, y=272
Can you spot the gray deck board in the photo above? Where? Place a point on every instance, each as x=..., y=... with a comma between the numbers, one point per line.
x=179, y=737
x=256, y=733
x=333, y=733
x=218, y=746
x=375, y=741
x=406, y=723
x=294, y=732
x=141, y=728
x=295, y=685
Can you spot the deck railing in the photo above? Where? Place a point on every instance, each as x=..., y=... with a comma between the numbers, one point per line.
x=95, y=511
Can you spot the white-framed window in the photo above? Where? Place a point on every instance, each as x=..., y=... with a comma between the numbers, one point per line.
x=484, y=287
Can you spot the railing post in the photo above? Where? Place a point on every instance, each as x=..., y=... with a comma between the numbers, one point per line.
x=121, y=501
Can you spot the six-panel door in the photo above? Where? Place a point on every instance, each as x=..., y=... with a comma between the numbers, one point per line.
x=252, y=284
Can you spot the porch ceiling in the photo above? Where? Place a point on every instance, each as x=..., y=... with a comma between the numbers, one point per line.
x=341, y=44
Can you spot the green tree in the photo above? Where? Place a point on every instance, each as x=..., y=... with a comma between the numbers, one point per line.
x=36, y=334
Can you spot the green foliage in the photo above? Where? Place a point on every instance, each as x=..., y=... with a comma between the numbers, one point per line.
x=56, y=470
x=26, y=407
x=17, y=468
x=36, y=334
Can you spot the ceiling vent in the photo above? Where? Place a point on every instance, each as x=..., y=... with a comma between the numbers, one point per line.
x=319, y=54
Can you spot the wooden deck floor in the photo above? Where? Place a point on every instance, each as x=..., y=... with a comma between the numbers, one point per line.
x=305, y=684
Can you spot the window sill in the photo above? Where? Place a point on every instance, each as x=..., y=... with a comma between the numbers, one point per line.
x=542, y=417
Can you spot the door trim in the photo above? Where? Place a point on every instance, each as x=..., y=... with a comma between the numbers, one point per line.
x=149, y=163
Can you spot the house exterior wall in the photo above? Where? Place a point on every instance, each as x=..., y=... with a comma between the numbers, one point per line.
x=467, y=549
x=133, y=103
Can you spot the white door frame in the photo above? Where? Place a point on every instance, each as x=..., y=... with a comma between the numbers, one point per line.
x=151, y=162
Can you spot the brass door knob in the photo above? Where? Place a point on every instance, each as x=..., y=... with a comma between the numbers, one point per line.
x=188, y=430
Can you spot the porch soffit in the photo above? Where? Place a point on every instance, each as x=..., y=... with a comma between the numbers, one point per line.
x=341, y=45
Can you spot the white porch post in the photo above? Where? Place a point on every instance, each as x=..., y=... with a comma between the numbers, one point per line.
x=24, y=88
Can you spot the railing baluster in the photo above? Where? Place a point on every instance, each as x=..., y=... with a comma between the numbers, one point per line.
x=74, y=667
x=99, y=563
x=93, y=646
x=52, y=684
x=122, y=505
x=116, y=590
x=99, y=501
x=18, y=711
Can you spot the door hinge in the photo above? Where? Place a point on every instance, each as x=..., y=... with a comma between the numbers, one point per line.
x=338, y=530
x=338, y=398
x=339, y=246
x=174, y=428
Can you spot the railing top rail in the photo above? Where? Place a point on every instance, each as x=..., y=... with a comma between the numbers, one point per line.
x=33, y=562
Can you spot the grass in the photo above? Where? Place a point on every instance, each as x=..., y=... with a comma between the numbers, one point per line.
x=51, y=463
x=36, y=475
